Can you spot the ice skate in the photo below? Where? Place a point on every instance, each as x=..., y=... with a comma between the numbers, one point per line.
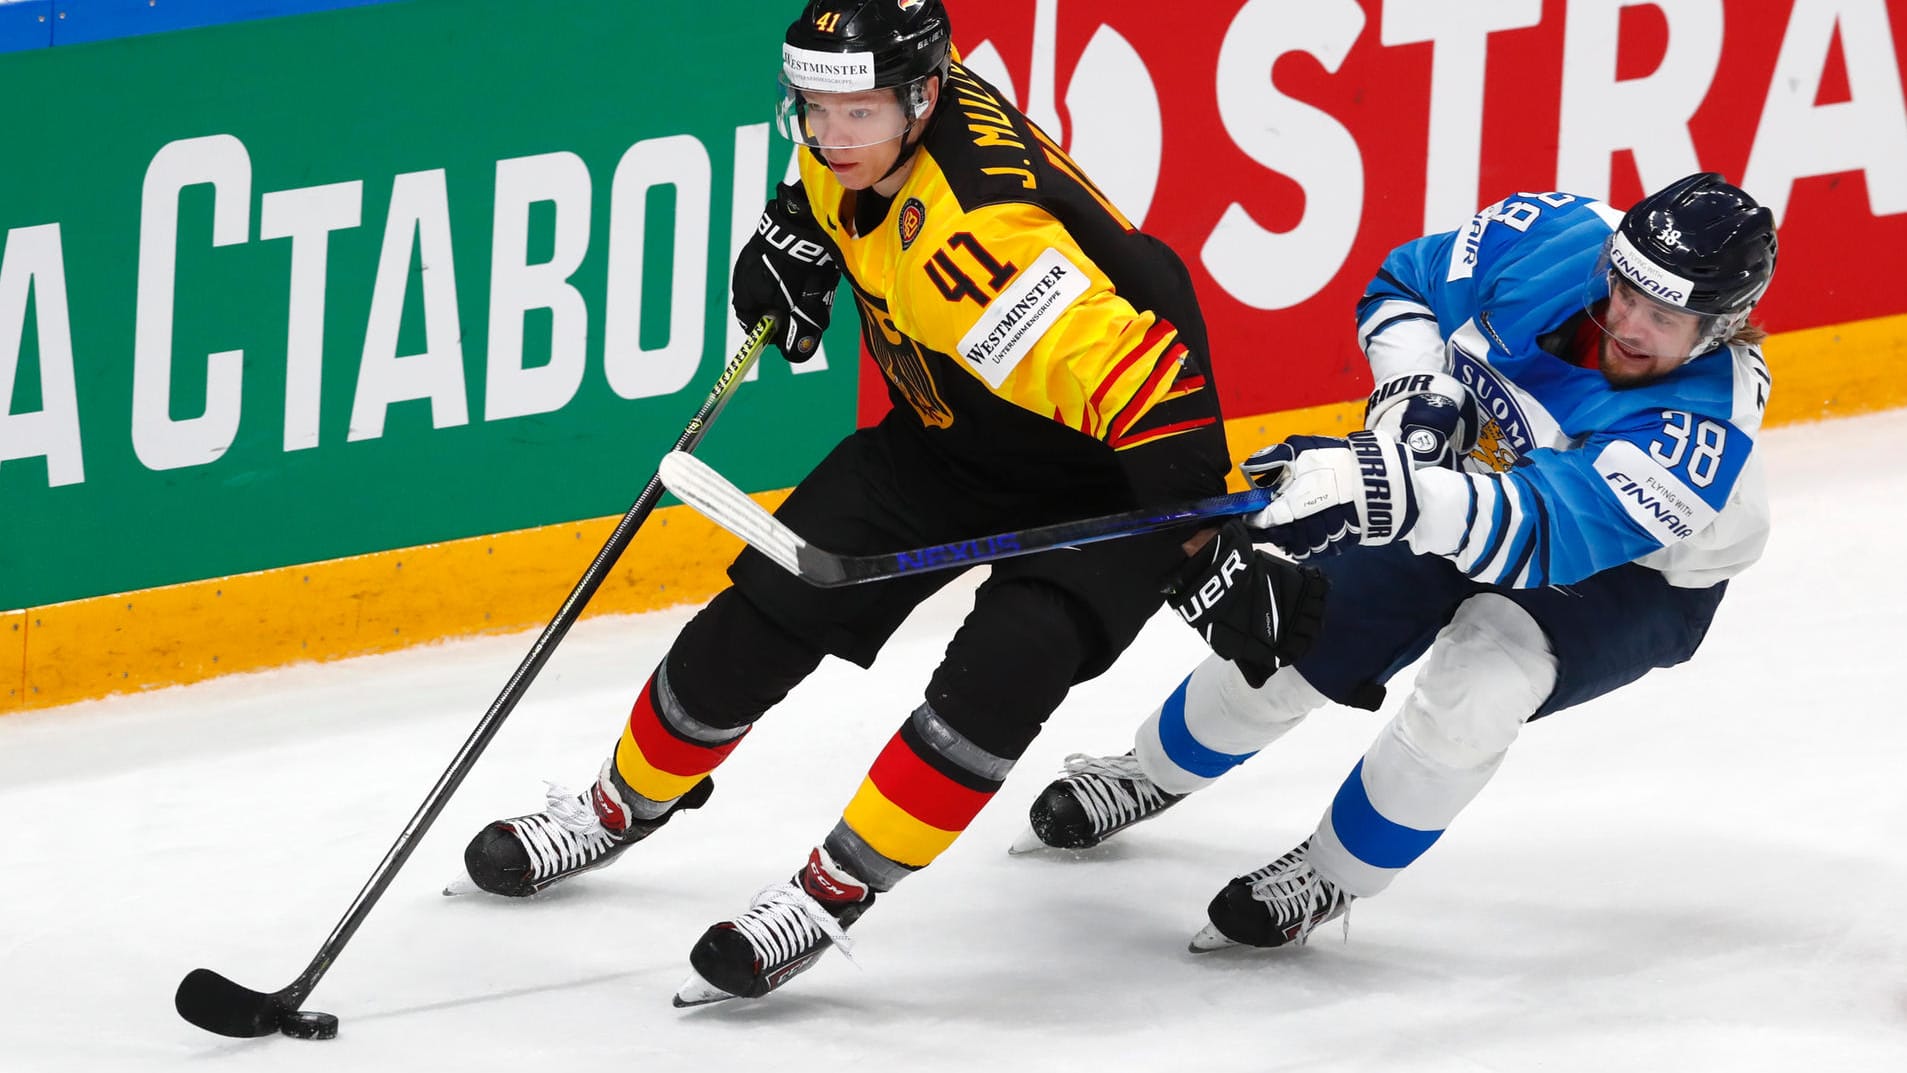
x=786, y=930
x=578, y=832
x=1278, y=904
x=1096, y=797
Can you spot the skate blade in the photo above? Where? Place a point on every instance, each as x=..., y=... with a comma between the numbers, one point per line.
x=461, y=885
x=696, y=991
x=1208, y=939
x=1028, y=842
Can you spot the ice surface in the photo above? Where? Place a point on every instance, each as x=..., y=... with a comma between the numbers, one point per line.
x=1707, y=871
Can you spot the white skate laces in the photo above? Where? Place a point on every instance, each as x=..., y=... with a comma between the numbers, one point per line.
x=1114, y=791
x=1295, y=891
x=567, y=807
x=785, y=922
x=564, y=837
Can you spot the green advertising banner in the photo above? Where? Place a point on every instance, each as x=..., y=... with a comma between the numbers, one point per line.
x=287, y=291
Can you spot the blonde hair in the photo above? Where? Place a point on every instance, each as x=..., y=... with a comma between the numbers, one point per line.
x=1749, y=334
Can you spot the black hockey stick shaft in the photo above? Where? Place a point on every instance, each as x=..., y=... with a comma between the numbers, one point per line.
x=715, y=498
x=827, y=569
x=215, y=1003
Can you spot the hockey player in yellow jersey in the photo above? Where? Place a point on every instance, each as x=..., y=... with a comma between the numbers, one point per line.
x=1046, y=361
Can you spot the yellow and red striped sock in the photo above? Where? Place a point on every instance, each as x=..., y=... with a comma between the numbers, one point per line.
x=664, y=751
x=922, y=792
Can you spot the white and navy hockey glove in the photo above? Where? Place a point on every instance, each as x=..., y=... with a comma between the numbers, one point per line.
x=1431, y=414
x=1258, y=611
x=786, y=269
x=1334, y=492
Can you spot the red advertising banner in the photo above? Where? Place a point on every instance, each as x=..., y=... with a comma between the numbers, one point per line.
x=1284, y=146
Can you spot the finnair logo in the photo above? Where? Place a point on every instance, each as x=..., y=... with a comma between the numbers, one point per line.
x=1648, y=507
x=827, y=72
x=1463, y=252
x=1651, y=278
x=1655, y=498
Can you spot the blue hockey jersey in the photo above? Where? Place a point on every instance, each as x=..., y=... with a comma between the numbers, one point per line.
x=1571, y=475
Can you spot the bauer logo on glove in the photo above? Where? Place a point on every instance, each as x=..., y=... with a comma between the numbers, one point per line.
x=787, y=271
x=807, y=251
x=1255, y=610
x=1219, y=579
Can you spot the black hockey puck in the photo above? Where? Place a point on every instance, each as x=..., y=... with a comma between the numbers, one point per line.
x=309, y=1024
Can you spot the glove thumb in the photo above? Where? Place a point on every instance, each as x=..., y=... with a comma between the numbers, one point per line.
x=1302, y=495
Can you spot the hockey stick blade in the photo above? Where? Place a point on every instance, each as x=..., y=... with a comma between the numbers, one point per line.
x=713, y=497
x=216, y=1004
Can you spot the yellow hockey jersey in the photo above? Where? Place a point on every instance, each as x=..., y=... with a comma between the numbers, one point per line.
x=1016, y=315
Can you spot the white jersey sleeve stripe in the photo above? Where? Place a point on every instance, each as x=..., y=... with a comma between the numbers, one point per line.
x=1483, y=543
x=1400, y=336
x=1392, y=311
x=1504, y=540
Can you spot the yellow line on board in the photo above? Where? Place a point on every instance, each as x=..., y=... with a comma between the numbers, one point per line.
x=1837, y=371
x=350, y=607
x=515, y=581
x=12, y=658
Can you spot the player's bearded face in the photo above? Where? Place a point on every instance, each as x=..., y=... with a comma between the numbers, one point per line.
x=1643, y=339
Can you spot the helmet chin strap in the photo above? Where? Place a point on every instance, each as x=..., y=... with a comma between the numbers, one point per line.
x=908, y=146
x=909, y=143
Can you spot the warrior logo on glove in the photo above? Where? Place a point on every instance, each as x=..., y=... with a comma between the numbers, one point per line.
x=1334, y=492
x=1431, y=414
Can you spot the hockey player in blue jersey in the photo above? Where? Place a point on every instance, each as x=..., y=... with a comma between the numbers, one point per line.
x=1556, y=481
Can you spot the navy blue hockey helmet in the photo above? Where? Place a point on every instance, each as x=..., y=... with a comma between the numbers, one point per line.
x=848, y=46
x=1712, y=235
x=1699, y=245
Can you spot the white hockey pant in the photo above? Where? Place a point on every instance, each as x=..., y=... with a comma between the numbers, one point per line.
x=1489, y=670
x=1215, y=721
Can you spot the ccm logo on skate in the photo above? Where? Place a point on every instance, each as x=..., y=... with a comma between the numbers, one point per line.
x=1214, y=589
x=780, y=976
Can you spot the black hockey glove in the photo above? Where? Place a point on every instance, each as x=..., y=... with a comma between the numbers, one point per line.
x=786, y=270
x=1256, y=610
x=1432, y=414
